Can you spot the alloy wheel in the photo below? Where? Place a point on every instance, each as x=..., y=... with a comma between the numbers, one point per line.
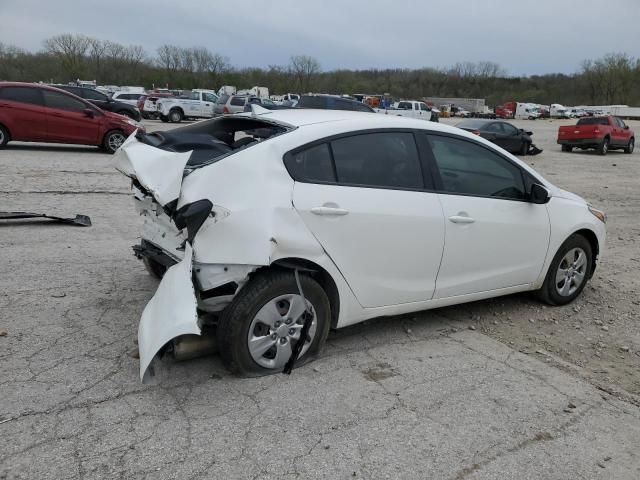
x=115, y=141
x=276, y=327
x=571, y=272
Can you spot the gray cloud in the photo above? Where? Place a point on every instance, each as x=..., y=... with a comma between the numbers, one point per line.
x=531, y=37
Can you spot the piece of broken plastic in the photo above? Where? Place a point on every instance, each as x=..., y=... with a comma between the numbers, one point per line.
x=79, y=220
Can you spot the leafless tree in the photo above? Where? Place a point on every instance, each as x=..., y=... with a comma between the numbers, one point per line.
x=71, y=50
x=304, y=68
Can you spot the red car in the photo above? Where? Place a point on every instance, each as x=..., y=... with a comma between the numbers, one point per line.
x=31, y=112
x=601, y=133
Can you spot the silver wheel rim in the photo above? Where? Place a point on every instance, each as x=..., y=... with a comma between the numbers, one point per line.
x=1, y=137
x=275, y=328
x=115, y=141
x=571, y=272
x=631, y=143
x=175, y=116
x=605, y=146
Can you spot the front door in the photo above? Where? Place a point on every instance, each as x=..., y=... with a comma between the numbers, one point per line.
x=67, y=121
x=494, y=238
x=208, y=103
x=363, y=197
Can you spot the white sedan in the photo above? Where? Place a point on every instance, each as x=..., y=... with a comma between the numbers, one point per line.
x=286, y=223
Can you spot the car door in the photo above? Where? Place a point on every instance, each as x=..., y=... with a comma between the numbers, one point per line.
x=68, y=121
x=494, y=237
x=23, y=112
x=364, y=197
x=512, y=138
x=208, y=104
x=620, y=136
x=494, y=132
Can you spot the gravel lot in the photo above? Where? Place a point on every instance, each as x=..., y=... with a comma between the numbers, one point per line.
x=505, y=388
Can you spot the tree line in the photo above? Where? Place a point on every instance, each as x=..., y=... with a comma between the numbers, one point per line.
x=612, y=79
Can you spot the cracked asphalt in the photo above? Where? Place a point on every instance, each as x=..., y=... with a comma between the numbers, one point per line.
x=418, y=396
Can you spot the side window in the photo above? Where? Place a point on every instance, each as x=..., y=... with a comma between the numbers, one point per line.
x=311, y=165
x=360, y=107
x=404, y=106
x=619, y=122
x=509, y=129
x=424, y=107
x=61, y=101
x=378, y=160
x=495, y=128
x=470, y=169
x=237, y=101
x=31, y=96
x=194, y=96
x=208, y=97
x=93, y=95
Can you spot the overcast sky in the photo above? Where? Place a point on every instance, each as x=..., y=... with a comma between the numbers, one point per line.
x=523, y=36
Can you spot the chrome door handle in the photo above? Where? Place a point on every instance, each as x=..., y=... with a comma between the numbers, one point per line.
x=329, y=211
x=461, y=219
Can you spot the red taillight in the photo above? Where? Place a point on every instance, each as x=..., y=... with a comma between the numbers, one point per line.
x=597, y=130
x=475, y=132
x=225, y=110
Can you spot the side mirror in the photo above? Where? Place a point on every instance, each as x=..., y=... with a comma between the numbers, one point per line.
x=539, y=194
x=88, y=112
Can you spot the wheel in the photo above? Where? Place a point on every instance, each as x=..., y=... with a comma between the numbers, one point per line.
x=603, y=148
x=567, y=148
x=524, y=148
x=630, y=146
x=175, y=116
x=154, y=268
x=4, y=136
x=164, y=118
x=113, y=140
x=568, y=272
x=257, y=330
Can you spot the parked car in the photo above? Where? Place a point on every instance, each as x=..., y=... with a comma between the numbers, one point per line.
x=127, y=97
x=147, y=104
x=264, y=103
x=102, y=101
x=408, y=108
x=32, y=112
x=602, y=133
x=198, y=103
x=258, y=232
x=332, y=102
x=512, y=139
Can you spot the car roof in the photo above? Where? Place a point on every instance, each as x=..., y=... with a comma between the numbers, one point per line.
x=41, y=86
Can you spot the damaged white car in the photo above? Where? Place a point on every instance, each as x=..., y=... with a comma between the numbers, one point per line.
x=275, y=226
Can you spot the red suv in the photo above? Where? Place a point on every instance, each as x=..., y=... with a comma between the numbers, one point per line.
x=31, y=112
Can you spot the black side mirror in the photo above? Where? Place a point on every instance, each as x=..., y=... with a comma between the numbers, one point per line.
x=539, y=194
x=88, y=112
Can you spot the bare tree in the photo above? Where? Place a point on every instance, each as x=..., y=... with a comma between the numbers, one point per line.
x=304, y=68
x=71, y=50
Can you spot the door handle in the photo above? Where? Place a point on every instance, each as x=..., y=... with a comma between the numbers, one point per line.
x=329, y=211
x=461, y=219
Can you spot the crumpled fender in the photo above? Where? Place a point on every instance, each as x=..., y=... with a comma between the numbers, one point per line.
x=158, y=171
x=170, y=313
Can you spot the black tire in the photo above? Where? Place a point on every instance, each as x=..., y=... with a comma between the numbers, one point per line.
x=630, y=146
x=113, y=140
x=175, y=115
x=603, y=148
x=548, y=293
x=524, y=148
x=567, y=148
x=154, y=268
x=4, y=137
x=164, y=118
x=235, y=321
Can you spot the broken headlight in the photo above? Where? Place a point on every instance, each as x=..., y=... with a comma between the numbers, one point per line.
x=192, y=216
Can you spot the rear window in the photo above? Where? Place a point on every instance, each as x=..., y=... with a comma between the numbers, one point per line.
x=238, y=101
x=312, y=102
x=594, y=121
x=32, y=96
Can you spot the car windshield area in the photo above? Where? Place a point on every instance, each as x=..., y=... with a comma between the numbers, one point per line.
x=594, y=121
x=211, y=140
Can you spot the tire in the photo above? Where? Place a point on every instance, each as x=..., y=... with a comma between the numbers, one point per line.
x=567, y=148
x=164, y=118
x=603, y=148
x=175, y=116
x=4, y=137
x=241, y=316
x=524, y=149
x=630, y=146
x=555, y=290
x=154, y=268
x=113, y=140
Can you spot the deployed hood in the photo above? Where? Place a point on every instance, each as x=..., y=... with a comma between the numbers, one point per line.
x=159, y=171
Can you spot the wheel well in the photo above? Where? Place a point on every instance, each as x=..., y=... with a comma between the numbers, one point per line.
x=320, y=275
x=177, y=108
x=595, y=247
x=6, y=129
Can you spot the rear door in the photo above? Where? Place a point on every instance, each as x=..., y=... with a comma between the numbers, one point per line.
x=67, y=121
x=364, y=197
x=494, y=238
x=22, y=110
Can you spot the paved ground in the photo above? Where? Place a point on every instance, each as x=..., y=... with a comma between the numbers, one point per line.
x=420, y=396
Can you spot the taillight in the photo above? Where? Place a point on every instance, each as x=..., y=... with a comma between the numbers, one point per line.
x=225, y=110
x=597, y=130
x=475, y=132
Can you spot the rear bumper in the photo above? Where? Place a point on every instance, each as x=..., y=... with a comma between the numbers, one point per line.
x=583, y=142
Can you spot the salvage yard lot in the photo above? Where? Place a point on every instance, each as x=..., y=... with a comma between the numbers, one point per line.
x=505, y=388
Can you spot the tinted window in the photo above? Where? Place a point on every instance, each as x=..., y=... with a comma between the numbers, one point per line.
x=62, y=101
x=343, y=105
x=494, y=128
x=311, y=165
x=237, y=101
x=594, y=121
x=509, y=129
x=28, y=95
x=378, y=159
x=312, y=102
x=405, y=106
x=361, y=107
x=424, y=107
x=470, y=169
x=93, y=95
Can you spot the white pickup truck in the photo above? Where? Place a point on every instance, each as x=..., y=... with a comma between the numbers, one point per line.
x=195, y=104
x=408, y=108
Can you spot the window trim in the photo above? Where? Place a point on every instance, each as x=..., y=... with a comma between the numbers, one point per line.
x=527, y=178
x=428, y=185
